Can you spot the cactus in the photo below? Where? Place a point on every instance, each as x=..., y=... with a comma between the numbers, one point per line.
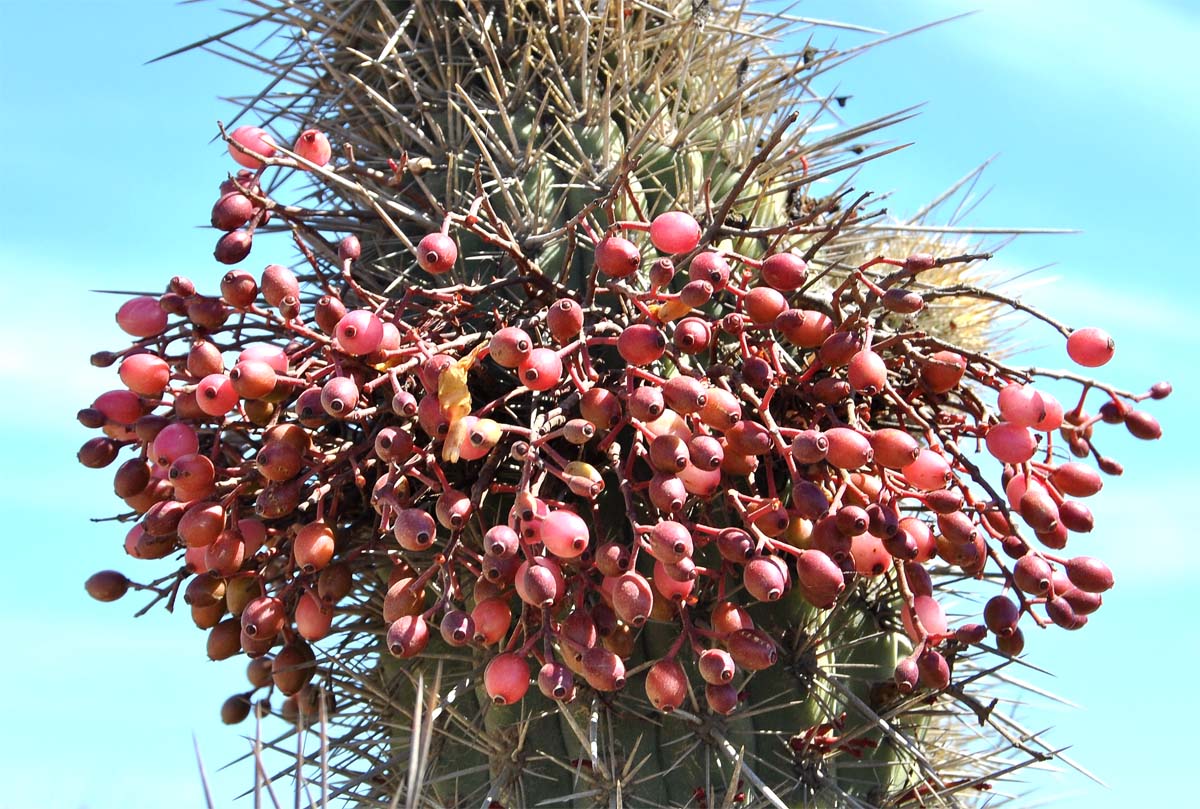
x=488, y=153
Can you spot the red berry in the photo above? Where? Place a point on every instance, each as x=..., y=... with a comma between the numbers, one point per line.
x=510, y=346
x=541, y=370
x=1010, y=443
x=867, y=372
x=232, y=211
x=359, y=332
x=641, y=344
x=943, y=371
x=142, y=317
x=254, y=140
x=564, y=318
x=675, y=232
x=666, y=685
x=313, y=146
x=1090, y=347
x=436, y=253
x=784, y=271
x=617, y=257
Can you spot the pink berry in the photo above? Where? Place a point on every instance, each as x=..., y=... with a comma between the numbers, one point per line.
x=539, y=582
x=617, y=257
x=555, y=681
x=666, y=685
x=492, y=618
x=510, y=346
x=313, y=619
x=641, y=344
x=692, y=335
x=242, y=182
x=667, y=493
x=764, y=578
x=646, y=403
x=506, y=678
x=710, y=268
x=414, y=529
x=943, y=371
x=279, y=283
x=632, y=598
x=752, y=649
x=313, y=146
x=764, y=304
x=869, y=555
x=215, y=395
x=1076, y=479
x=273, y=356
x=119, y=406
x=192, y=475
x=408, y=636
x=541, y=370
x=173, y=442
x=436, y=253
x=142, y=317
x=1021, y=405
x=894, y=449
x=721, y=699
x=929, y=472
x=431, y=418
x=1090, y=575
x=603, y=670
x=263, y=617
x=232, y=211
x=501, y=541
x=564, y=319
x=253, y=379
x=668, y=585
x=675, y=232
x=848, y=448
x=685, y=394
x=1010, y=443
x=696, y=293
x=1016, y=487
x=929, y=613
x=349, y=248
x=359, y=332
x=457, y=628
x=565, y=534
x=1053, y=417
x=670, y=541
x=339, y=396
x=233, y=247
x=255, y=140
x=784, y=271
x=1090, y=347
x=803, y=327
x=145, y=374
x=238, y=288
x=935, y=671
x=716, y=666
x=700, y=482
x=819, y=577
x=867, y=372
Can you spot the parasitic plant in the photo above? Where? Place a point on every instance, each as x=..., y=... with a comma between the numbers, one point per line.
x=588, y=455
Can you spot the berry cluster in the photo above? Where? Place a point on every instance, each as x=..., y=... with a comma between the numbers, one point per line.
x=538, y=472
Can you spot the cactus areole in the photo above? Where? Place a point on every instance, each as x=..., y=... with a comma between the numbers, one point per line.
x=574, y=383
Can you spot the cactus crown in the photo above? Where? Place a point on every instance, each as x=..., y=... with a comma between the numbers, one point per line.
x=534, y=129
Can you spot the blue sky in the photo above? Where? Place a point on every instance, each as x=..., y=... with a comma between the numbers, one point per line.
x=110, y=174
